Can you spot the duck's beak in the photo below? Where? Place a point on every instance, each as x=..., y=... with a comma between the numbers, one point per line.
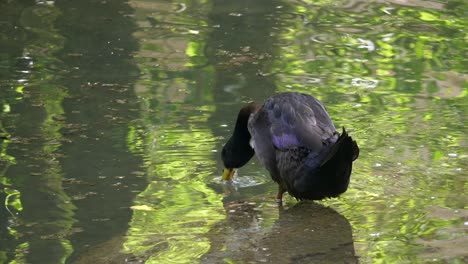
x=228, y=174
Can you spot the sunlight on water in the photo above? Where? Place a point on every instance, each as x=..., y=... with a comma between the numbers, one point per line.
x=393, y=184
x=183, y=207
x=113, y=115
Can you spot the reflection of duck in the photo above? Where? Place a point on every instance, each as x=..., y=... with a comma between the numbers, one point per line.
x=305, y=233
x=295, y=139
x=310, y=233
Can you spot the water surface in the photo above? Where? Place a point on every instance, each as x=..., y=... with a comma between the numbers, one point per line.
x=113, y=114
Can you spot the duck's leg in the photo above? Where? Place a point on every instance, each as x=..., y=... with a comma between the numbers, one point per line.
x=279, y=195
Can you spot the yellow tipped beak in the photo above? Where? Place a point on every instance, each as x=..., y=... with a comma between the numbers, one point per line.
x=228, y=174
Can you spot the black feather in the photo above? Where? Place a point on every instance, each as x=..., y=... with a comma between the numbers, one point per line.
x=295, y=139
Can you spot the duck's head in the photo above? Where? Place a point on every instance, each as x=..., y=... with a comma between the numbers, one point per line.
x=237, y=151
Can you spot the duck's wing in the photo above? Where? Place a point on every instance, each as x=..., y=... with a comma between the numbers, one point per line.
x=299, y=120
x=289, y=120
x=259, y=126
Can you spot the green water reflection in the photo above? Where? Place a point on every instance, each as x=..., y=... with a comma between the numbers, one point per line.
x=113, y=113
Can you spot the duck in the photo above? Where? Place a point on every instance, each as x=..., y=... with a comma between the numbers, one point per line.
x=294, y=138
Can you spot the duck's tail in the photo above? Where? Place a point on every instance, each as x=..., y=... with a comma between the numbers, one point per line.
x=337, y=165
x=330, y=177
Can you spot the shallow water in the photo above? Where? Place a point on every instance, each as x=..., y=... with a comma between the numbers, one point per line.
x=114, y=114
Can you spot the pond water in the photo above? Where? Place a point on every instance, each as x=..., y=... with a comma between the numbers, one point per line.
x=113, y=114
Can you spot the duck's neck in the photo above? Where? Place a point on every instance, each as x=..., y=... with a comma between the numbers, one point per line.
x=237, y=151
x=241, y=132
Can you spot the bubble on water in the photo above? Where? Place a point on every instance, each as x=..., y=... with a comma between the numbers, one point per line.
x=181, y=8
x=387, y=10
x=366, y=44
x=313, y=80
x=367, y=83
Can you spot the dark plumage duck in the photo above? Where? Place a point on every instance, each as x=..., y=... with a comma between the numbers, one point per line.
x=293, y=136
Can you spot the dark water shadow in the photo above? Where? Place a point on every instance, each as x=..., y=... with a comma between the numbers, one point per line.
x=307, y=232
x=101, y=169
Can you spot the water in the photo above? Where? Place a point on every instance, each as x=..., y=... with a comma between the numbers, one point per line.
x=114, y=114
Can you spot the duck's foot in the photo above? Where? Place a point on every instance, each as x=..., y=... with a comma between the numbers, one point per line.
x=279, y=195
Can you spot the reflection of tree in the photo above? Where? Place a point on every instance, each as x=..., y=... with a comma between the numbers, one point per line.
x=391, y=84
x=173, y=214
x=102, y=175
x=393, y=73
x=242, y=46
x=9, y=52
x=176, y=210
x=40, y=211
